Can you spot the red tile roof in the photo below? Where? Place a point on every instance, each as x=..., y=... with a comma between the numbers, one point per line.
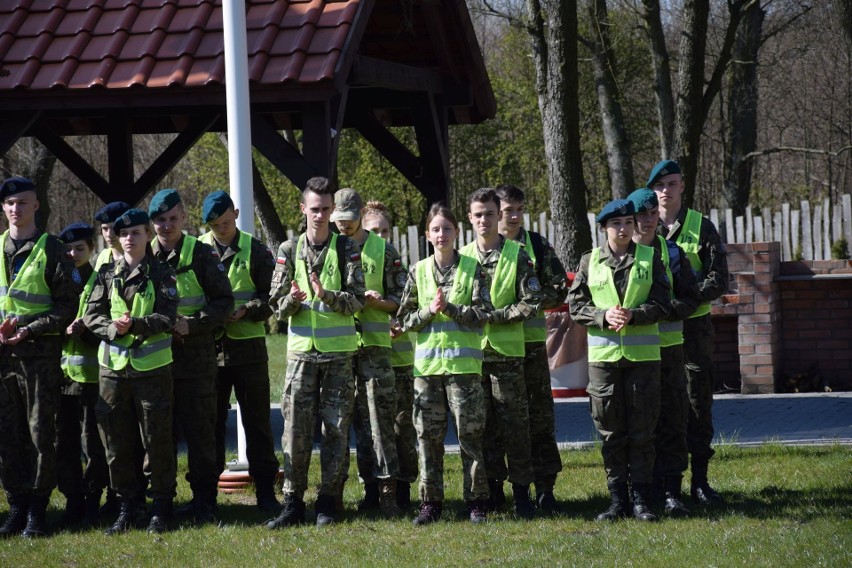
x=117, y=44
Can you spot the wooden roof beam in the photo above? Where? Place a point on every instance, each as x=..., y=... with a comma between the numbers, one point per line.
x=396, y=76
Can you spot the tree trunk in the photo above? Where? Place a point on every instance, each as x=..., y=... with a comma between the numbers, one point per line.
x=662, y=76
x=612, y=118
x=552, y=29
x=742, y=110
x=40, y=171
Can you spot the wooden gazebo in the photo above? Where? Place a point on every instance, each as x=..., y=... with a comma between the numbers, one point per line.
x=124, y=67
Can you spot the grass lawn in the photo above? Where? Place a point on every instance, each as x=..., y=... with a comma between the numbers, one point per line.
x=786, y=506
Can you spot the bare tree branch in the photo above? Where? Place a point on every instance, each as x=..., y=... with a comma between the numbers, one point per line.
x=796, y=150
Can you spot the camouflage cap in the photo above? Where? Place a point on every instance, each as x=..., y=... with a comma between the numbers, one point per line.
x=347, y=205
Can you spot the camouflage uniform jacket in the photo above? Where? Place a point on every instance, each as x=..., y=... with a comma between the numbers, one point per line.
x=346, y=301
x=683, y=284
x=246, y=351
x=66, y=285
x=711, y=252
x=654, y=309
x=413, y=318
x=162, y=318
x=550, y=272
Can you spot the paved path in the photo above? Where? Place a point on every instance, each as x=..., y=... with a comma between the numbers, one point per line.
x=807, y=418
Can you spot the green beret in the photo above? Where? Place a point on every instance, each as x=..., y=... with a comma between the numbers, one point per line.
x=130, y=218
x=214, y=205
x=347, y=205
x=664, y=168
x=162, y=201
x=643, y=199
x=111, y=211
x=617, y=208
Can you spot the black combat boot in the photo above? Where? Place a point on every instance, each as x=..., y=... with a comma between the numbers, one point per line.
x=524, y=507
x=17, y=518
x=620, y=502
x=497, y=497
x=545, y=499
x=674, y=506
x=387, y=499
x=204, y=512
x=642, y=503
x=126, y=517
x=370, y=501
x=478, y=511
x=75, y=510
x=161, y=514
x=324, y=508
x=292, y=514
x=430, y=512
x=700, y=489
x=403, y=495
x=36, y=517
x=264, y=491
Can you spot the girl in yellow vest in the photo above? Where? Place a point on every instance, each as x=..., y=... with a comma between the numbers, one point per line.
x=620, y=292
x=132, y=310
x=76, y=425
x=376, y=219
x=446, y=300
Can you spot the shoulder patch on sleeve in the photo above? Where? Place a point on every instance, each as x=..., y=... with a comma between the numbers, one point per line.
x=397, y=262
x=281, y=259
x=75, y=276
x=355, y=256
x=221, y=267
x=486, y=294
x=401, y=278
x=530, y=263
x=534, y=284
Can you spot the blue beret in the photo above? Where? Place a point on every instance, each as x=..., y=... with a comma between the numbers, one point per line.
x=663, y=168
x=617, y=208
x=214, y=205
x=77, y=231
x=643, y=199
x=111, y=211
x=162, y=201
x=15, y=185
x=130, y=218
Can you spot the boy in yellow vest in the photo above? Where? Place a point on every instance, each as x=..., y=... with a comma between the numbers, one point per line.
x=516, y=294
x=620, y=292
x=241, y=347
x=702, y=244
x=672, y=456
x=76, y=424
x=132, y=310
x=205, y=301
x=375, y=382
x=39, y=287
x=318, y=285
x=547, y=462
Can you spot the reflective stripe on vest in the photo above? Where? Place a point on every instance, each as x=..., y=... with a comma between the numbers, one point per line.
x=375, y=323
x=403, y=350
x=79, y=360
x=689, y=241
x=444, y=347
x=191, y=296
x=28, y=296
x=152, y=353
x=535, y=329
x=316, y=325
x=505, y=338
x=239, y=273
x=671, y=332
x=635, y=342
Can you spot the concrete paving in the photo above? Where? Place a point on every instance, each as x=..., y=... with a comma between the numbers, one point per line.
x=743, y=420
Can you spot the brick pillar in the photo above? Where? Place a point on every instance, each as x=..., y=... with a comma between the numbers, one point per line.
x=758, y=325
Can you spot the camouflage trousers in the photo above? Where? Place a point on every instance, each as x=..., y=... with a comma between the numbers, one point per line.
x=250, y=384
x=29, y=397
x=507, y=421
x=406, y=435
x=624, y=400
x=545, y=453
x=374, y=414
x=315, y=388
x=76, y=435
x=462, y=395
x=128, y=405
x=672, y=457
x=195, y=422
x=698, y=351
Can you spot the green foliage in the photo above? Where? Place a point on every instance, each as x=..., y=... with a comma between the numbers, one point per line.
x=840, y=249
x=798, y=254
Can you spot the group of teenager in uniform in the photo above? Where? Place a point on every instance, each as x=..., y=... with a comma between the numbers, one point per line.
x=112, y=358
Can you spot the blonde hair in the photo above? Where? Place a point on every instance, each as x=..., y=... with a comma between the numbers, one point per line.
x=376, y=208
